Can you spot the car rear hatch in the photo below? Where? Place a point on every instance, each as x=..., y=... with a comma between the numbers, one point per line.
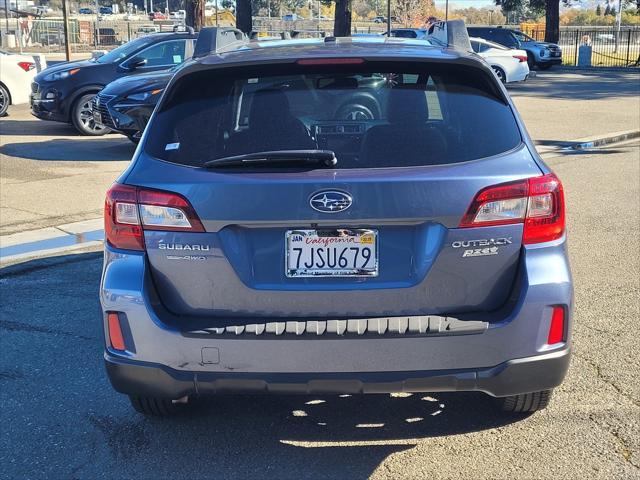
x=391, y=230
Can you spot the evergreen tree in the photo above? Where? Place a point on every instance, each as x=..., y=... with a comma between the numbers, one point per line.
x=599, y=10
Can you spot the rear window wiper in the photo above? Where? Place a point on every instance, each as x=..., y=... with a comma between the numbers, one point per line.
x=285, y=157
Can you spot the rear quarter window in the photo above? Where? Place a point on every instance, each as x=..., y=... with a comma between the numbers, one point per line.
x=374, y=116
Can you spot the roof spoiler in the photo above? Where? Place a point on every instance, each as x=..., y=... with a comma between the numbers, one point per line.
x=214, y=39
x=452, y=33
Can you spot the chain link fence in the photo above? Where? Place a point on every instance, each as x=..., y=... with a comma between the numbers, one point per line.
x=47, y=35
x=608, y=47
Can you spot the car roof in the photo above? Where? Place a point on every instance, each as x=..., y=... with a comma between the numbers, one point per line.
x=164, y=35
x=375, y=47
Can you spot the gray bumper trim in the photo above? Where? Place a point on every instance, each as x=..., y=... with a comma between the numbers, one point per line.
x=523, y=375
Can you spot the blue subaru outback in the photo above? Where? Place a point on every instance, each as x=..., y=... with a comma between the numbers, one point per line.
x=336, y=216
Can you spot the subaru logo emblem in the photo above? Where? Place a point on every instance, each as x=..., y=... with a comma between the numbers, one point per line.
x=330, y=201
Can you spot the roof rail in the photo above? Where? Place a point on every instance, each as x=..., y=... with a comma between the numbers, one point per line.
x=214, y=39
x=452, y=33
x=183, y=28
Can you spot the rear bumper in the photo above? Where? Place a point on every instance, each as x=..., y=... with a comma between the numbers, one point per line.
x=510, y=356
x=512, y=377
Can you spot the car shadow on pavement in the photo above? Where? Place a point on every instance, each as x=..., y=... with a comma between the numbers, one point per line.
x=104, y=149
x=61, y=418
x=33, y=128
x=580, y=85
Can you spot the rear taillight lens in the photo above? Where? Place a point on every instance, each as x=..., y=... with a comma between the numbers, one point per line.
x=129, y=210
x=521, y=58
x=26, y=66
x=545, y=212
x=122, y=227
x=537, y=202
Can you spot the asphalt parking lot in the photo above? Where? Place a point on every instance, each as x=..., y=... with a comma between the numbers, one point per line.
x=59, y=417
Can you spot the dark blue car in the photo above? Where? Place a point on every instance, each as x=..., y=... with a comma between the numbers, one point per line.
x=261, y=241
x=63, y=92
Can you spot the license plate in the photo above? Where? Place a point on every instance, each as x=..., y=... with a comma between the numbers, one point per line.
x=336, y=252
x=97, y=117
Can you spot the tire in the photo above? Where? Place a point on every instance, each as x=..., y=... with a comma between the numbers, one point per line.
x=152, y=406
x=135, y=140
x=5, y=100
x=531, y=61
x=500, y=73
x=544, y=66
x=525, y=402
x=82, y=119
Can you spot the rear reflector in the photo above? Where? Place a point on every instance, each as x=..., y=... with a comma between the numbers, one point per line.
x=115, y=332
x=537, y=202
x=130, y=210
x=556, y=329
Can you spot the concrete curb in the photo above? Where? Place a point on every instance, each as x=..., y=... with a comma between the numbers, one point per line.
x=51, y=241
x=569, y=68
x=619, y=137
x=588, y=143
x=88, y=236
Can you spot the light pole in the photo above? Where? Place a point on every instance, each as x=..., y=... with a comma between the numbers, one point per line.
x=618, y=23
x=65, y=19
x=388, y=18
x=6, y=17
x=97, y=39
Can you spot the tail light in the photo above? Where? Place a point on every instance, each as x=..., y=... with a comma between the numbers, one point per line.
x=26, y=66
x=537, y=202
x=521, y=58
x=128, y=211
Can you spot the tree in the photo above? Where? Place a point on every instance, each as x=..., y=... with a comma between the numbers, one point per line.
x=613, y=12
x=550, y=7
x=552, y=21
x=229, y=5
x=195, y=14
x=599, y=10
x=413, y=13
x=607, y=10
x=342, y=19
x=243, y=16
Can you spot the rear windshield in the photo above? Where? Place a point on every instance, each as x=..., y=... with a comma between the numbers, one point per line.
x=370, y=116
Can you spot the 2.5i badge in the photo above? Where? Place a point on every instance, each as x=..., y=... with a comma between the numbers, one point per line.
x=482, y=247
